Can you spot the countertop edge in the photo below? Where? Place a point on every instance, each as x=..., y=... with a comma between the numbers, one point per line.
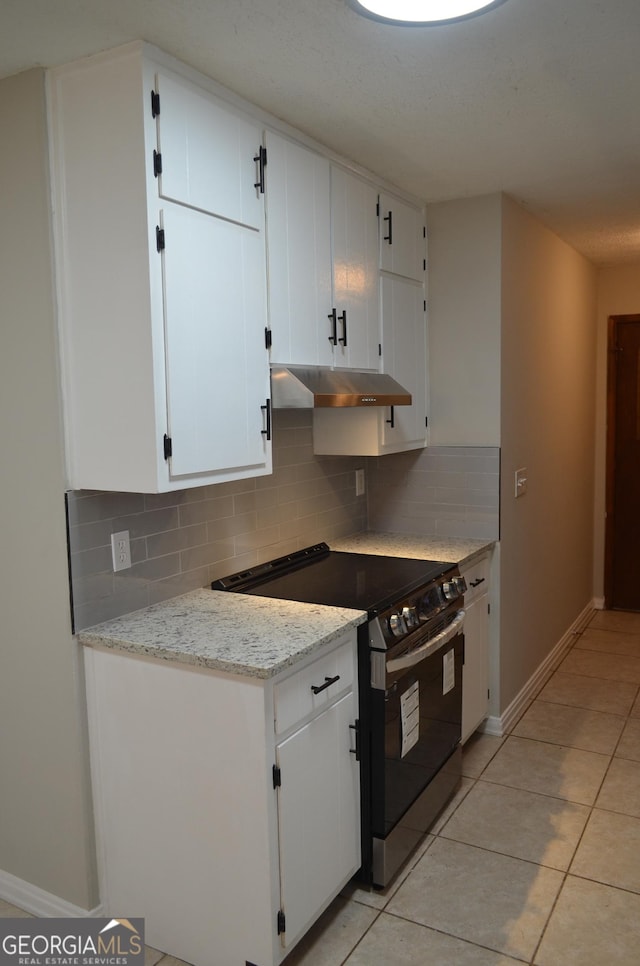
x=173, y=655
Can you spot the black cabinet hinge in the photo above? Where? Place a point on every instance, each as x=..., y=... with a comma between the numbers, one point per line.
x=277, y=777
x=281, y=922
x=155, y=103
x=168, y=447
x=157, y=163
x=267, y=338
x=159, y=238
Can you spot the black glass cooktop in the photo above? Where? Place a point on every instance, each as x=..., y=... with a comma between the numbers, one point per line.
x=356, y=580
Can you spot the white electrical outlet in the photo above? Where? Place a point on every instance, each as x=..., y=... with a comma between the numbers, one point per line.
x=120, y=550
x=359, y=482
x=521, y=482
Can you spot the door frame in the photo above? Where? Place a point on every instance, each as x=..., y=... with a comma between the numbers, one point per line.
x=614, y=322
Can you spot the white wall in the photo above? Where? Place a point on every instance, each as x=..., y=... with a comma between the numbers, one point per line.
x=464, y=321
x=618, y=294
x=46, y=833
x=548, y=426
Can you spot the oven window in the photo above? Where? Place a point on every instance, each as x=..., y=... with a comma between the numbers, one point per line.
x=415, y=727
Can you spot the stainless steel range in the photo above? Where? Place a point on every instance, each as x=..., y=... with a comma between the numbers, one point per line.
x=410, y=655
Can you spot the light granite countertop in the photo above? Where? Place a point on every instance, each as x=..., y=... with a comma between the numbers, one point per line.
x=447, y=549
x=237, y=633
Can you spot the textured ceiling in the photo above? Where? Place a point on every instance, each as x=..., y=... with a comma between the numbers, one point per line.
x=538, y=98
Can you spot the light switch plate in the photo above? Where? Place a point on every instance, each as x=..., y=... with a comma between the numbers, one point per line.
x=359, y=482
x=521, y=482
x=120, y=550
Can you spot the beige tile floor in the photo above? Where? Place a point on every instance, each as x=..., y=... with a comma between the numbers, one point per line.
x=537, y=858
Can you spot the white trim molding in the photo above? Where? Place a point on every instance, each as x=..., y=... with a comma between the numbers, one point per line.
x=500, y=725
x=32, y=899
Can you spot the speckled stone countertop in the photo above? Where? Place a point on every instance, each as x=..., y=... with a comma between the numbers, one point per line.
x=237, y=633
x=448, y=549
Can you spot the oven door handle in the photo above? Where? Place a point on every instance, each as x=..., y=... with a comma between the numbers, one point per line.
x=426, y=650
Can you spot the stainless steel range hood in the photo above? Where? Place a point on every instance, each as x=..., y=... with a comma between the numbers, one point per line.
x=310, y=388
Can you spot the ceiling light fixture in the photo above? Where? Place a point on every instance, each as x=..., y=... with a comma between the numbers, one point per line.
x=422, y=12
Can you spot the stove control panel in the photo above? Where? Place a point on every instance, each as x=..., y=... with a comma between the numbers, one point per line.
x=421, y=608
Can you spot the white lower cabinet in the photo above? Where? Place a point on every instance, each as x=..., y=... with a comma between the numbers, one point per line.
x=475, y=675
x=316, y=782
x=227, y=813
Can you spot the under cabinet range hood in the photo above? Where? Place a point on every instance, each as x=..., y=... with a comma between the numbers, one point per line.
x=310, y=388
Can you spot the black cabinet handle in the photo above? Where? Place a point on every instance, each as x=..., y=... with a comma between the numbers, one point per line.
x=389, y=237
x=261, y=158
x=333, y=317
x=476, y=583
x=356, y=751
x=392, y=419
x=267, y=409
x=343, y=318
x=317, y=688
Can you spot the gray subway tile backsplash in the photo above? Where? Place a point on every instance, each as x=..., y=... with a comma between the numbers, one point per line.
x=437, y=491
x=182, y=540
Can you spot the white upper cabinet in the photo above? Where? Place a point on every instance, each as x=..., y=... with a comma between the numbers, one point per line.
x=322, y=239
x=379, y=430
x=214, y=355
x=210, y=157
x=402, y=238
x=404, y=356
x=354, y=233
x=162, y=278
x=299, y=253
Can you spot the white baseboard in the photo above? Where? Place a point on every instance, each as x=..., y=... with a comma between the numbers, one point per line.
x=598, y=603
x=502, y=724
x=40, y=903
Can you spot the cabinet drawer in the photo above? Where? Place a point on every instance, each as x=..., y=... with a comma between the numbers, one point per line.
x=477, y=578
x=295, y=699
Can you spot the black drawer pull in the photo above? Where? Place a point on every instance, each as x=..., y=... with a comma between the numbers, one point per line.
x=261, y=158
x=317, y=688
x=356, y=751
x=333, y=318
x=343, y=318
x=267, y=409
x=389, y=219
x=476, y=583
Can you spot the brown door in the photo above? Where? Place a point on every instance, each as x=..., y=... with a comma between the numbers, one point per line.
x=622, y=563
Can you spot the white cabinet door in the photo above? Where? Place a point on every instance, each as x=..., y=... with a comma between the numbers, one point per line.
x=404, y=356
x=215, y=316
x=402, y=238
x=475, y=676
x=318, y=813
x=354, y=232
x=299, y=254
x=210, y=155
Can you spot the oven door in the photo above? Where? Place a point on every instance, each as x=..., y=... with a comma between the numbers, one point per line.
x=415, y=745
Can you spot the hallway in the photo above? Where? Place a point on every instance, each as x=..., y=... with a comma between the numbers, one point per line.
x=537, y=859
